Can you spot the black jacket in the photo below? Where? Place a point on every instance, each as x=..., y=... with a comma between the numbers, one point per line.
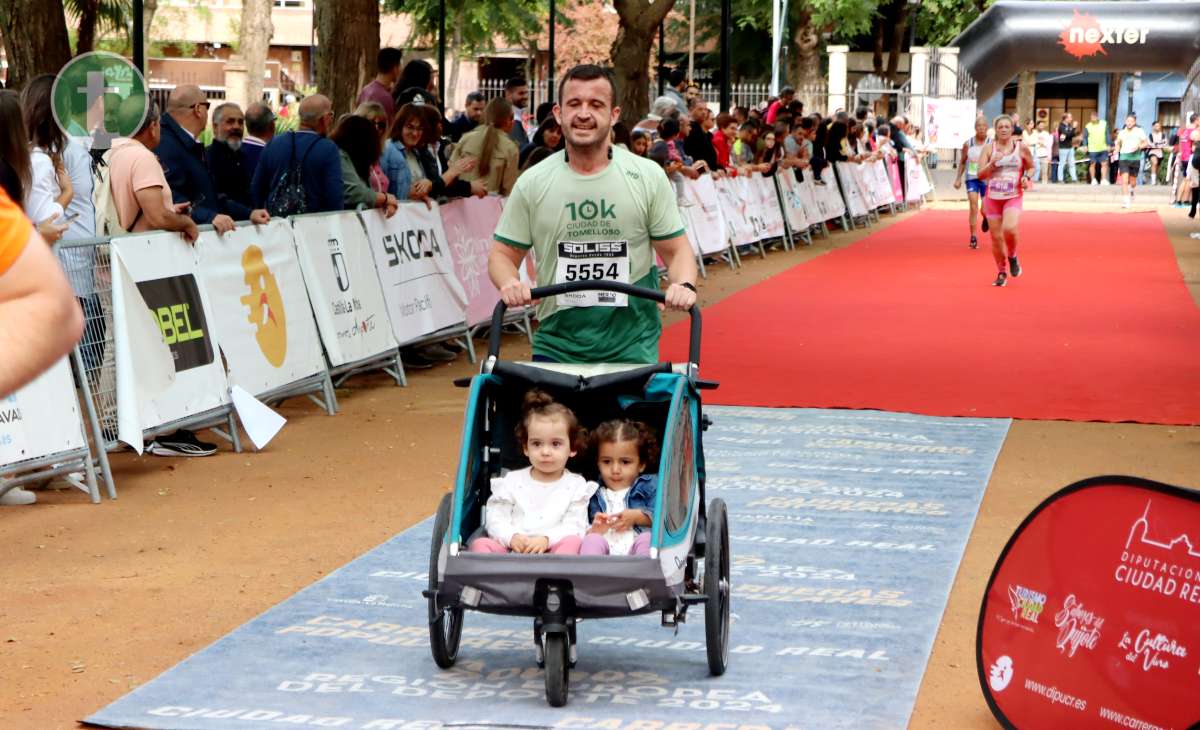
x=230, y=172
x=698, y=146
x=183, y=164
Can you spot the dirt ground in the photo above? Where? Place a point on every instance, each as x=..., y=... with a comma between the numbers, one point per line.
x=98, y=599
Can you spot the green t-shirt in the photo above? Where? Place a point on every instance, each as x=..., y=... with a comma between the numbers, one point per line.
x=1097, y=136
x=1129, y=143
x=603, y=226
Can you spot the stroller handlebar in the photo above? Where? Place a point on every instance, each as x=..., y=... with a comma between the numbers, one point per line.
x=617, y=287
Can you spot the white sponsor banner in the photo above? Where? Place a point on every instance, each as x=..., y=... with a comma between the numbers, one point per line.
x=412, y=256
x=879, y=184
x=343, y=287
x=851, y=190
x=948, y=122
x=260, y=306
x=163, y=274
x=916, y=182
x=734, y=209
x=42, y=418
x=828, y=197
x=701, y=207
x=792, y=201
x=770, y=216
x=808, y=198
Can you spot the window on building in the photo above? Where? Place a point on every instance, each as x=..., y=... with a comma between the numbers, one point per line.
x=1168, y=113
x=290, y=3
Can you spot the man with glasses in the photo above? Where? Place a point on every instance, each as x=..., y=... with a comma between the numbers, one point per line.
x=316, y=158
x=182, y=158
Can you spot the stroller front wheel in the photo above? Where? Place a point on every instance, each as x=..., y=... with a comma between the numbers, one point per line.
x=558, y=669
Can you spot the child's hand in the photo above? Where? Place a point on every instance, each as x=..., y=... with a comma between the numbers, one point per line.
x=599, y=524
x=625, y=520
x=529, y=544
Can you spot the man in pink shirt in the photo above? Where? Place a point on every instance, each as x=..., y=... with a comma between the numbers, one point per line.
x=140, y=191
x=387, y=64
x=786, y=95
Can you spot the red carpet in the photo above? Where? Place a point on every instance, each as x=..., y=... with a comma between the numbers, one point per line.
x=1099, y=327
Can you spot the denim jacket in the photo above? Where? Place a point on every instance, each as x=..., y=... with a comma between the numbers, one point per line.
x=641, y=496
x=395, y=166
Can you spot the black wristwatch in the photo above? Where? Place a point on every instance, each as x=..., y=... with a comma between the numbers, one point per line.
x=688, y=285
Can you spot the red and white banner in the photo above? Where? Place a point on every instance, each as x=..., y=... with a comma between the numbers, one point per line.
x=1092, y=615
x=470, y=224
x=701, y=209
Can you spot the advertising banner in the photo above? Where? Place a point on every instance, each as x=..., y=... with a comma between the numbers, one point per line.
x=851, y=190
x=916, y=182
x=879, y=184
x=808, y=198
x=412, y=256
x=1092, y=614
x=42, y=418
x=343, y=287
x=734, y=207
x=769, y=214
x=470, y=224
x=829, y=198
x=701, y=208
x=791, y=200
x=260, y=306
x=162, y=269
x=948, y=122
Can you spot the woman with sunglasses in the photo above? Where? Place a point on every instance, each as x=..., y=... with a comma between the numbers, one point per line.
x=359, y=148
x=374, y=112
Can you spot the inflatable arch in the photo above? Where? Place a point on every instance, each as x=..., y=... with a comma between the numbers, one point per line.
x=1141, y=35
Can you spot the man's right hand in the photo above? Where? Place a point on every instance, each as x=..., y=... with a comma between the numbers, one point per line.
x=190, y=231
x=223, y=224
x=516, y=293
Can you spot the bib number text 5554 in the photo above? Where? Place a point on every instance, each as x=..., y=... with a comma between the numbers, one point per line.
x=589, y=271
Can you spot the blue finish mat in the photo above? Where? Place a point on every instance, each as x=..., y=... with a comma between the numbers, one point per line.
x=847, y=528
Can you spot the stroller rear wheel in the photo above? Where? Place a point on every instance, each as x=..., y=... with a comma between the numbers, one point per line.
x=716, y=587
x=558, y=668
x=445, y=622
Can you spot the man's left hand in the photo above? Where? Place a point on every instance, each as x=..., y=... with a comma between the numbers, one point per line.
x=680, y=298
x=223, y=224
x=260, y=217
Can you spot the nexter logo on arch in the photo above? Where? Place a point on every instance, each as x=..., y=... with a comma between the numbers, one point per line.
x=1085, y=36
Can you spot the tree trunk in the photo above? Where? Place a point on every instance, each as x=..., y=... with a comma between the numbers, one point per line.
x=636, y=34
x=348, y=41
x=86, y=41
x=35, y=39
x=898, y=29
x=1026, y=88
x=455, y=63
x=877, y=55
x=149, y=8
x=1114, y=95
x=254, y=38
x=806, y=61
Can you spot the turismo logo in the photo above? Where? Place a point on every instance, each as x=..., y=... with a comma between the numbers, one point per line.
x=1086, y=36
x=1001, y=674
x=266, y=306
x=175, y=303
x=1027, y=604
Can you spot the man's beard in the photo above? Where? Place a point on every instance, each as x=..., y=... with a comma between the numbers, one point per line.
x=234, y=143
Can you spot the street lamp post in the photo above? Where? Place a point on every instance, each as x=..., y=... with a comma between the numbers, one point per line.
x=139, y=40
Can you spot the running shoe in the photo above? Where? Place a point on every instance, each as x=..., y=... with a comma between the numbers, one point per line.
x=1095, y=182
x=974, y=242
x=1105, y=182
x=181, y=443
x=985, y=225
x=1001, y=279
x=1125, y=203
x=1014, y=267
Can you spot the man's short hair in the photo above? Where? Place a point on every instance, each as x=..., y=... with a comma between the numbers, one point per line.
x=669, y=128
x=677, y=77
x=388, y=59
x=476, y=97
x=134, y=103
x=588, y=72
x=259, y=118
x=662, y=107
x=219, y=112
x=544, y=110
x=786, y=91
x=861, y=113
x=724, y=119
x=515, y=82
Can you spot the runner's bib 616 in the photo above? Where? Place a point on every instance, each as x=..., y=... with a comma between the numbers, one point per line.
x=581, y=261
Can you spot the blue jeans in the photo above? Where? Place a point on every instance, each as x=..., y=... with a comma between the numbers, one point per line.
x=1066, y=164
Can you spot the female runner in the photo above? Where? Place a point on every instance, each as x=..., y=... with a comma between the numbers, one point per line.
x=1002, y=164
x=976, y=188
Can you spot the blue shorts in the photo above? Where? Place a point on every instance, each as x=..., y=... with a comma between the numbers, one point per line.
x=1097, y=157
x=977, y=186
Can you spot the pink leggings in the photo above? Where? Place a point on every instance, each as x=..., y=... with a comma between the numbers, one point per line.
x=567, y=546
x=993, y=208
x=590, y=544
x=594, y=544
